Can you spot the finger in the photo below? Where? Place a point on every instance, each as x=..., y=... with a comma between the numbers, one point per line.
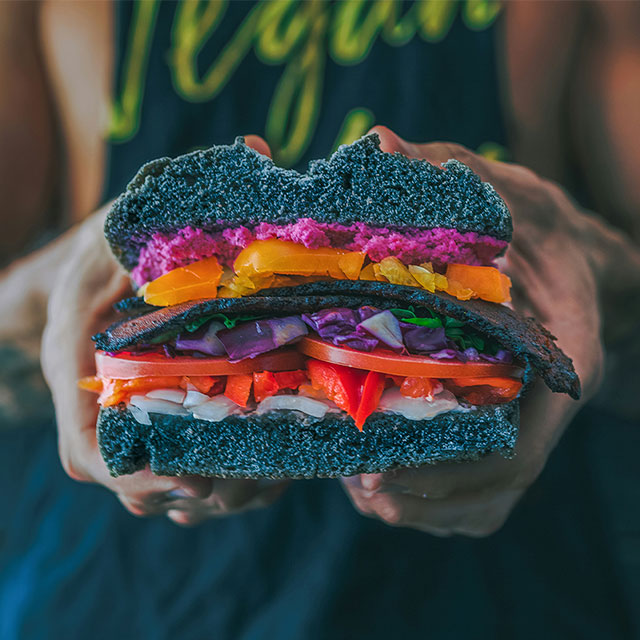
x=191, y=518
x=190, y=513
x=472, y=517
x=382, y=507
x=147, y=489
x=391, y=142
x=470, y=480
x=235, y=495
x=258, y=144
x=434, y=152
x=541, y=413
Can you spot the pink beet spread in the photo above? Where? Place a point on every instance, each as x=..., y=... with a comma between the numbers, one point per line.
x=411, y=245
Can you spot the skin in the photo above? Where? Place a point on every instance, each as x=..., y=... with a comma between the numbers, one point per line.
x=475, y=498
x=77, y=312
x=585, y=67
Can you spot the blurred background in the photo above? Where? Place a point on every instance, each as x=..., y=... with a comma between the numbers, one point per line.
x=93, y=89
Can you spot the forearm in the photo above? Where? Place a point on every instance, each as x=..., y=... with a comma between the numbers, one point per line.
x=615, y=260
x=25, y=289
x=27, y=132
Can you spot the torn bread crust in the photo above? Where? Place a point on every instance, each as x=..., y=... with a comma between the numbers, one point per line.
x=231, y=185
x=526, y=338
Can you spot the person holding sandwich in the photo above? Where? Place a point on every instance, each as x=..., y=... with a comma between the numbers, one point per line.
x=570, y=269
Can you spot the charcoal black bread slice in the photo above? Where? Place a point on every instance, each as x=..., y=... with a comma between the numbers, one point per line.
x=358, y=183
x=285, y=444
x=526, y=338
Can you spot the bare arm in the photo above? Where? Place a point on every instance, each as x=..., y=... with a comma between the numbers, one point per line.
x=27, y=131
x=573, y=92
x=604, y=103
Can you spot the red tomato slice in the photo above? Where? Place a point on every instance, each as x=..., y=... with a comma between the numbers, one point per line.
x=127, y=367
x=391, y=363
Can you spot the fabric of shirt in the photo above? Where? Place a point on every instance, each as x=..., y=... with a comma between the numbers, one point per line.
x=308, y=76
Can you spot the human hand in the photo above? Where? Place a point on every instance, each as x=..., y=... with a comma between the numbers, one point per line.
x=80, y=305
x=553, y=280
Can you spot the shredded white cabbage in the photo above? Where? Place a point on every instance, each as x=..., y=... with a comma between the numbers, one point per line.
x=311, y=407
x=417, y=408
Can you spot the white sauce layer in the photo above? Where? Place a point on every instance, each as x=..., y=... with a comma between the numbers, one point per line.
x=203, y=407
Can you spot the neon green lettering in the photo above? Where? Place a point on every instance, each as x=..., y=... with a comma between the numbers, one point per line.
x=435, y=18
x=283, y=25
x=355, y=124
x=355, y=26
x=192, y=27
x=293, y=113
x=493, y=151
x=480, y=14
x=125, y=111
x=398, y=31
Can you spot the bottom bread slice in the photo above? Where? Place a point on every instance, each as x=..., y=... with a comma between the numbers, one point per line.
x=285, y=444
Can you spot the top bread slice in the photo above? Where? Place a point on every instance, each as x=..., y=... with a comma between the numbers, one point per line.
x=233, y=185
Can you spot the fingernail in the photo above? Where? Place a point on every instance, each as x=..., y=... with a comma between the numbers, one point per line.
x=370, y=482
x=352, y=481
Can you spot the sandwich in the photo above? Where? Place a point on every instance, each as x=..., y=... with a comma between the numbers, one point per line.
x=347, y=320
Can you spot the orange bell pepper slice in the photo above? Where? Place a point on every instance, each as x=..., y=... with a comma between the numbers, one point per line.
x=238, y=388
x=487, y=283
x=204, y=384
x=198, y=280
x=289, y=258
x=91, y=383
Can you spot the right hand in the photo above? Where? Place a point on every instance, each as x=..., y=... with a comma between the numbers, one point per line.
x=80, y=305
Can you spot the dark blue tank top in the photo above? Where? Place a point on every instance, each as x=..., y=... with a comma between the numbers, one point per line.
x=307, y=76
x=304, y=75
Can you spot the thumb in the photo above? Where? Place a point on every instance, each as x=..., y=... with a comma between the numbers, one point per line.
x=392, y=143
x=258, y=144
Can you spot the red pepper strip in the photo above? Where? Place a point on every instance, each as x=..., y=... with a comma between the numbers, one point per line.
x=480, y=391
x=238, y=388
x=371, y=391
x=342, y=385
x=204, y=384
x=264, y=385
x=290, y=379
x=417, y=387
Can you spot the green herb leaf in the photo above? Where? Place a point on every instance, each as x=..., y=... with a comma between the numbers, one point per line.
x=403, y=314
x=432, y=323
x=228, y=322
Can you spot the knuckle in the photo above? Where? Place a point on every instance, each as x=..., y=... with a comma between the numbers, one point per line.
x=183, y=518
x=459, y=151
x=362, y=505
x=138, y=510
x=73, y=470
x=390, y=512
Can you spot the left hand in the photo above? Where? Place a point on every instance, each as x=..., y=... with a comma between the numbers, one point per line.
x=553, y=280
x=88, y=280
